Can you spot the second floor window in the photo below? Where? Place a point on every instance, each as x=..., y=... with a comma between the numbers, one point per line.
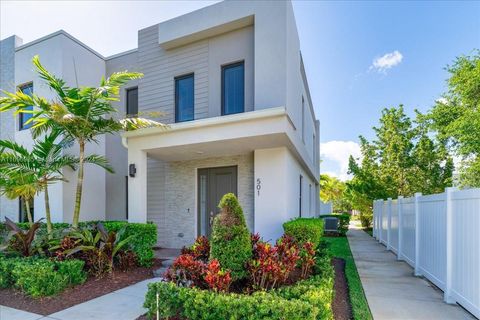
x=132, y=102
x=184, y=98
x=233, y=88
x=24, y=117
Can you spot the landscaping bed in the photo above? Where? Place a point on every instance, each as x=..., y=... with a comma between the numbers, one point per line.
x=92, y=288
x=339, y=247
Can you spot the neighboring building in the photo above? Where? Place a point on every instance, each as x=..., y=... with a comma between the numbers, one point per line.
x=230, y=82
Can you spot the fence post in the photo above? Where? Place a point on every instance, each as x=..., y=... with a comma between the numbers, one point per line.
x=400, y=229
x=389, y=222
x=447, y=297
x=417, y=234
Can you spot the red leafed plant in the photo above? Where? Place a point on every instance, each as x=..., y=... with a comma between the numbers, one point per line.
x=216, y=278
x=66, y=244
x=186, y=271
x=199, y=250
x=272, y=265
x=307, y=258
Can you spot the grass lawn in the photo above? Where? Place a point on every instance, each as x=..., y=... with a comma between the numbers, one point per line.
x=338, y=247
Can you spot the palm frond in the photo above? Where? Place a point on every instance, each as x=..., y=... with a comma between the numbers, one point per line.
x=100, y=161
x=57, y=84
x=133, y=123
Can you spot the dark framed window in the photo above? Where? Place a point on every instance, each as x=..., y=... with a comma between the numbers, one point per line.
x=24, y=117
x=184, y=98
x=22, y=210
x=132, y=102
x=300, y=196
x=303, y=119
x=233, y=88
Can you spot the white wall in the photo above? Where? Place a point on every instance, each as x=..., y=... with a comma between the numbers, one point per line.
x=116, y=153
x=66, y=59
x=277, y=201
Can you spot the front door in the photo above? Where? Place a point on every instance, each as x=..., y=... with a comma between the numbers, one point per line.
x=213, y=184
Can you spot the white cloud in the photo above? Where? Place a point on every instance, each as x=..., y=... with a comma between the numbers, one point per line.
x=387, y=61
x=335, y=155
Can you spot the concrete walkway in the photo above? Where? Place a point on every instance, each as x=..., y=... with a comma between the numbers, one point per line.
x=123, y=304
x=390, y=287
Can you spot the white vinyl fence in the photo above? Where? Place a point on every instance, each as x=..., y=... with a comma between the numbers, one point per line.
x=439, y=236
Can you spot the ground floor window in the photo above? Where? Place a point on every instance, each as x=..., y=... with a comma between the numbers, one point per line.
x=300, y=196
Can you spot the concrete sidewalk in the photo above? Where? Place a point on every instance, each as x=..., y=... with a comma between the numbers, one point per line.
x=123, y=304
x=390, y=287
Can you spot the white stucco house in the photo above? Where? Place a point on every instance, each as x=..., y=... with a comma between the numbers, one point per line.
x=229, y=80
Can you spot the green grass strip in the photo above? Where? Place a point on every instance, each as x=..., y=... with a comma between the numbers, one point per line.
x=339, y=247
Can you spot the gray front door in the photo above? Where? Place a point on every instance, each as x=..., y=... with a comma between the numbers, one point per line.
x=213, y=184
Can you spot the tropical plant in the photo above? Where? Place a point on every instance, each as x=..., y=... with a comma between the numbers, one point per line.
x=100, y=247
x=333, y=190
x=80, y=114
x=21, y=240
x=230, y=242
x=44, y=163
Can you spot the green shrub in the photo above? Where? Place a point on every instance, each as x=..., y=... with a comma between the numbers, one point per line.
x=343, y=221
x=305, y=229
x=196, y=304
x=144, y=236
x=230, y=242
x=39, y=277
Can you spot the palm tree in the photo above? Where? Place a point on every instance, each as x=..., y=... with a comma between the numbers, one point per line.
x=43, y=165
x=80, y=114
x=15, y=185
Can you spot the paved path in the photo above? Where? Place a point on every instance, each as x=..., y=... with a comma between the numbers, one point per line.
x=123, y=304
x=391, y=289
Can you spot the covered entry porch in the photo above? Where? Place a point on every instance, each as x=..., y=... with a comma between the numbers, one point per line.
x=182, y=171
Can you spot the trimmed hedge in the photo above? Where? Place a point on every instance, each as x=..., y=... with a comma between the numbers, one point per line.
x=305, y=229
x=343, y=221
x=308, y=299
x=142, y=242
x=40, y=277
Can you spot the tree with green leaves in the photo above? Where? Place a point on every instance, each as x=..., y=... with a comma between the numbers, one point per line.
x=332, y=190
x=401, y=160
x=44, y=164
x=79, y=114
x=456, y=116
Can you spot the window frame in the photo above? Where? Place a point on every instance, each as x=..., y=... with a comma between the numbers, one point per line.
x=21, y=121
x=127, y=90
x=300, y=200
x=176, y=81
x=225, y=67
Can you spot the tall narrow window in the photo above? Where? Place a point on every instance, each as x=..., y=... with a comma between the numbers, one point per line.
x=132, y=102
x=184, y=98
x=303, y=119
x=300, y=196
x=233, y=88
x=310, y=198
x=314, y=154
x=24, y=117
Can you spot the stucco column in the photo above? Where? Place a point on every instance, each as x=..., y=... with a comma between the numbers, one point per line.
x=137, y=186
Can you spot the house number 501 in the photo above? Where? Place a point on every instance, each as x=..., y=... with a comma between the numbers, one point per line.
x=259, y=186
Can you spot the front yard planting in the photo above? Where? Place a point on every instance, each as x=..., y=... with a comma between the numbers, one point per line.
x=68, y=265
x=291, y=279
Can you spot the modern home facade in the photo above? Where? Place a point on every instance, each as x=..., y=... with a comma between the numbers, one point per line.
x=229, y=81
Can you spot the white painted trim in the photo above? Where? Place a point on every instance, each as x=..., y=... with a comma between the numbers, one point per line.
x=58, y=33
x=208, y=122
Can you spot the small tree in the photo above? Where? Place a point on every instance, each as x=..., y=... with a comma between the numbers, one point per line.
x=43, y=164
x=230, y=242
x=80, y=114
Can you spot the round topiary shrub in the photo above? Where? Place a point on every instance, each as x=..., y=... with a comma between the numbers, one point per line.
x=230, y=242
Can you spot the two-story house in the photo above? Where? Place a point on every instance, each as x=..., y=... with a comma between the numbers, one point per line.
x=229, y=81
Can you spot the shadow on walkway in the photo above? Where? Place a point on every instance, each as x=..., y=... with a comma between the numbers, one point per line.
x=391, y=289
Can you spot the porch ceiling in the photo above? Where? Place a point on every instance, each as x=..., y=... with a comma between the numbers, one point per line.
x=219, y=148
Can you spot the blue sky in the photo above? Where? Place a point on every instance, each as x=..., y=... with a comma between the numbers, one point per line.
x=339, y=40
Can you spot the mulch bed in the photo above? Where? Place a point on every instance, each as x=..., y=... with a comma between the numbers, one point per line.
x=92, y=288
x=341, y=307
